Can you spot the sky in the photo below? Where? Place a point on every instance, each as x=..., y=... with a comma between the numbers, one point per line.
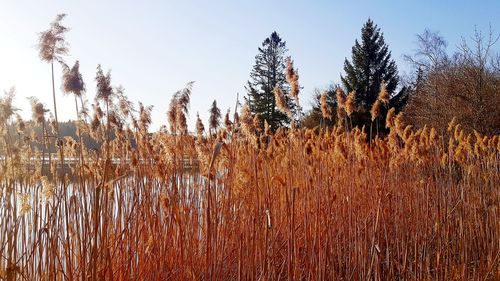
x=154, y=48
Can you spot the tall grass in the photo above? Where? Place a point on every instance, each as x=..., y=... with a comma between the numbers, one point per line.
x=296, y=204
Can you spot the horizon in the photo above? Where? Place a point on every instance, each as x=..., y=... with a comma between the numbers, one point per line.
x=154, y=50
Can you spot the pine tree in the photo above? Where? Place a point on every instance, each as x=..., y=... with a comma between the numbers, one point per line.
x=267, y=74
x=370, y=65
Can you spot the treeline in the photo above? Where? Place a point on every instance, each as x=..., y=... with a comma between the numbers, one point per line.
x=464, y=84
x=33, y=135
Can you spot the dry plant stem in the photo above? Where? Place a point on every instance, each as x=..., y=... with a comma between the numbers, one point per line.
x=297, y=204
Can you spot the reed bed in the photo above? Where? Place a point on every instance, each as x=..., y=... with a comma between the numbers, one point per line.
x=248, y=204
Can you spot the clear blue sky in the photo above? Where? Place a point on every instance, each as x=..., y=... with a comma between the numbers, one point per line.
x=154, y=47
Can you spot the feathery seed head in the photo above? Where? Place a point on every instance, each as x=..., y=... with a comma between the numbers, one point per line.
x=292, y=77
x=267, y=129
x=247, y=123
x=215, y=116
x=341, y=97
x=375, y=111
x=200, y=128
x=104, y=88
x=383, y=96
x=326, y=109
x=452, y=124
x=279, y=96
x=227, y=120
x=256, y=122
x=399, y=122
x=25, y=203
x=350, y=104
x=20, y=124
x=72, y=80
x=389, y=120
x=47, y=188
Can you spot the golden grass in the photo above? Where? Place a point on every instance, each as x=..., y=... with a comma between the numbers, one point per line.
x=297, y=205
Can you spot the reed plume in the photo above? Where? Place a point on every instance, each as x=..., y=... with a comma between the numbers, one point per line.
x=172, y=114
x=51, y=43
x=292, y=77
x=104, y=88
x=145, y=117
x=383, y=96
x=246, y=120
x=382, y=99
x=350, y=103
x=125, y=106
x=179, y=108
x=256, y=122
x=73, y=80
x=267, y=129
x=227, y=120
x=452, y=124
x=214, y=119
x=326, y=109
x=20, y=124
x=200, y=128
x=375, y=110
x=340, y=97
x=281, y=103
x=37, y=110
x=389, y=120
x=7, y=109
x=399, y=122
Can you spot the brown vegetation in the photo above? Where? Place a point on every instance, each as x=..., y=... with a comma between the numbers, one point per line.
x=245, y=202
x=465, y=85
x=290, y=205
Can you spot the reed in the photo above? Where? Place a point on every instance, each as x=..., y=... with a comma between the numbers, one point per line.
x=299, y=204
x=242, y=202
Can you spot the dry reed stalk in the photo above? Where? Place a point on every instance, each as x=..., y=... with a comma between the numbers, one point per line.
x=296, y=204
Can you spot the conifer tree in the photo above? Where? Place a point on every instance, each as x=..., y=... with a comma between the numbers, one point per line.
x=370, y=65
x=267, y=74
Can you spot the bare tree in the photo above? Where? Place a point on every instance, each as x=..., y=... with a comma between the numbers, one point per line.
x=465, y=85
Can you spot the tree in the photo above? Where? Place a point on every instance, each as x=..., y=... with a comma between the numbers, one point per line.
x=267, y=74
x=464, y=85
x=370, y=65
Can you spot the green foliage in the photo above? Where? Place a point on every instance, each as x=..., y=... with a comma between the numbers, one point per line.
x=370, y=65
x=268, y=73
